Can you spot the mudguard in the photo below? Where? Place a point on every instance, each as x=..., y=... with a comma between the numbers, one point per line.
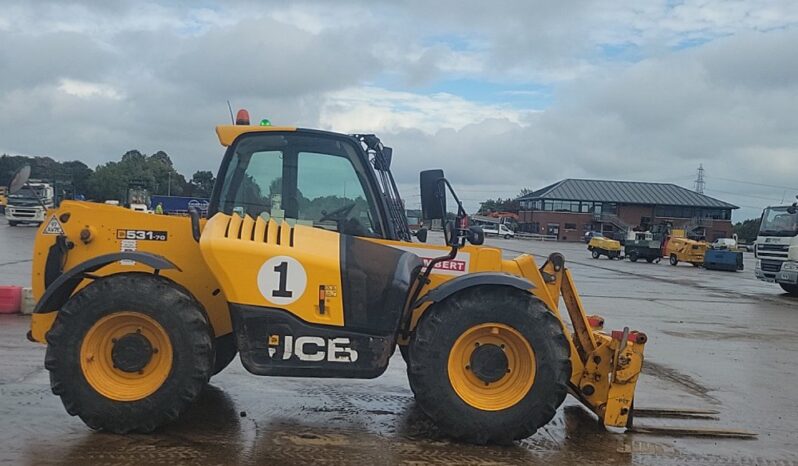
x=59, y=291
x=474, y=279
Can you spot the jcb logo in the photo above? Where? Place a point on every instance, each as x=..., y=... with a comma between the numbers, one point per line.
x=312, y=349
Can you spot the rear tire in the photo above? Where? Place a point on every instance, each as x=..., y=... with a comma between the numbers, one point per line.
x=791, y=289
x=82, y=354
x=633, y=256
x=595, y=254
x=673, y=260
x=452, y=393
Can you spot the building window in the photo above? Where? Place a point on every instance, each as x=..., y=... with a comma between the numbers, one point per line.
x=553, y=229
x=570, y=226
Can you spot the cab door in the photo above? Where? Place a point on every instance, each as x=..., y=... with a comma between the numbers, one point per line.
x=308, y=294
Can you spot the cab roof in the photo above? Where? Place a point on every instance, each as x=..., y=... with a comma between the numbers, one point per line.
x=228, y=133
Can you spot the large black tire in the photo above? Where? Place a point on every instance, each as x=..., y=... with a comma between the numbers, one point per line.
x=439, y=330
x=12, y=223
x=649, y=260
x=633, y=256
x=157, y=298
x=791, y=289
x=404, y=350
x=673, y=260
x=225, y=351
x=507, y=236
x=595, y=253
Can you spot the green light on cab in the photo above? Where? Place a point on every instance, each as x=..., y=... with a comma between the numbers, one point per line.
x=265, y=122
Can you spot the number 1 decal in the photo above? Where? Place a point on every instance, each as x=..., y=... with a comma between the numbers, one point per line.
x=282, y=292
x=282, y=280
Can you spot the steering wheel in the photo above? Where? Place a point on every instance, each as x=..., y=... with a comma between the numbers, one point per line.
x=337, y=214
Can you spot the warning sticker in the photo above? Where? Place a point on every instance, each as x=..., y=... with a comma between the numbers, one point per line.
x=53, y=227
x=128, y=245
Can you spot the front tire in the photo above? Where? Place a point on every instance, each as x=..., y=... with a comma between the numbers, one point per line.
x=507, y=236
x=791, y=289
x=595, y=254
x=674, y=260
x=12, y=223
x=633, y=256
x=129, y=352
x=490, y=365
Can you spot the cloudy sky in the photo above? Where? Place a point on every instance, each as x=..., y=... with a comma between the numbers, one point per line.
x=502, y=95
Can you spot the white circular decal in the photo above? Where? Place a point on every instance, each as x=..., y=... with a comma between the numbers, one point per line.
x=282, y=280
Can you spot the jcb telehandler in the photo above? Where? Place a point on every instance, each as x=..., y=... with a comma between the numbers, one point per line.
x=306, y=267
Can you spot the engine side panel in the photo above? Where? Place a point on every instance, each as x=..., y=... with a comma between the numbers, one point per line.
x=114, y=229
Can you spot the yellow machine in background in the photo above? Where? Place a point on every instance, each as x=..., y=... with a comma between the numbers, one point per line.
x=601, y=246
x=685, y=250
x=3, y=196
x=307, y=267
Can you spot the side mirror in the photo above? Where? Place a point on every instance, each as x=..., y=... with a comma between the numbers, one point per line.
x=450, y=233
x=476, y=236
x=384, y=163
x=421, y=235
x=433, y=195
x=20, y=178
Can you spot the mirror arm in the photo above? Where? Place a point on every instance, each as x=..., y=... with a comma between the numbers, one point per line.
x=436, y=260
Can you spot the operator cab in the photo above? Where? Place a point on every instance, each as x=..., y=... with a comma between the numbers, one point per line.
x=313, y=178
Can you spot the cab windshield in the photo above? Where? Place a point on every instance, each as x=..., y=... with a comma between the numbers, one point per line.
x=777, y=221
x=309, y=180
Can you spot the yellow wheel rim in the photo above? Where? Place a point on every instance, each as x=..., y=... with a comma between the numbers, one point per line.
x=501, y=391
x=98, y=359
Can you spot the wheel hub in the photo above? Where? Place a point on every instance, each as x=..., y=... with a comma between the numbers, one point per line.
x=489, y=363
x=132, y=352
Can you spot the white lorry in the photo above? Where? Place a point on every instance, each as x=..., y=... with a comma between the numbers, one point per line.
x=30, y=204
x=776, y=247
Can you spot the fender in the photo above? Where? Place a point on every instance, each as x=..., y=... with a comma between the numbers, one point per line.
x=62, y=288
x=474, y=279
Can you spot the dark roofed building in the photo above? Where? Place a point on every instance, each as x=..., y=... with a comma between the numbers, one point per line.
x=570, y=208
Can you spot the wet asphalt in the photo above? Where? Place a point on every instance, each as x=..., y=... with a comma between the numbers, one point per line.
x=717, y=340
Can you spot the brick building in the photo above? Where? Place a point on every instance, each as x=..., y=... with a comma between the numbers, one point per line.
x=570, y=208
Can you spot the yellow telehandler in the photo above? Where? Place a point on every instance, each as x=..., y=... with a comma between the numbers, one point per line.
x=306, y=267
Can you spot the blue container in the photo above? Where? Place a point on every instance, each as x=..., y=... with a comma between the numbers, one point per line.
x=723, y=259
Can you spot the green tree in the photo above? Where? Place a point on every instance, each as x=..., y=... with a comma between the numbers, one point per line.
x=201, y=184
x=747, y=230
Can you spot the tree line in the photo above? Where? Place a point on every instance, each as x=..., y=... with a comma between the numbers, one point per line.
x=111, y=180
x=511, y=204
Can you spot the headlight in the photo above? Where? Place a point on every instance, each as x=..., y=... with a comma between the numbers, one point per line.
x=789, y=266
x=758, y=264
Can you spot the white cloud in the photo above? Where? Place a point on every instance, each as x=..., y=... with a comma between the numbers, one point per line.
x=372, y=109
x=85, y=89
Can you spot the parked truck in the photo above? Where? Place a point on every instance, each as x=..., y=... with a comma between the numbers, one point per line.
x=179, y=205
x=776, y=247
x=30, y=204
